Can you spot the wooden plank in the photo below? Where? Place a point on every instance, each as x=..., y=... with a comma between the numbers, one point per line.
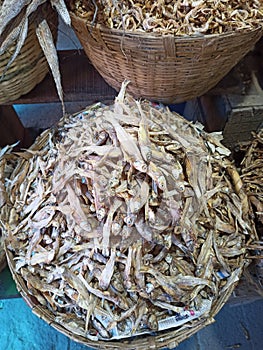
x=80, y=82
x=244, y=101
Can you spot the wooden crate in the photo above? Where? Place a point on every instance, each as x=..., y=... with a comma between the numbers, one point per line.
x=235, y=105
x=245, y=114
x=235, y=115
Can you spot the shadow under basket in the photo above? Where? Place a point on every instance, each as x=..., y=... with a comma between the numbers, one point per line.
x=164, y=68
x=30, y=66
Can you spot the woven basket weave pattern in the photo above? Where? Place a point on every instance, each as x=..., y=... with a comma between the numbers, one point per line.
x=30, y=67
x=163, y=68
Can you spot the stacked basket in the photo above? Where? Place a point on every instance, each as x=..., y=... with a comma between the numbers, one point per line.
x=161, y=66
x=30, y=66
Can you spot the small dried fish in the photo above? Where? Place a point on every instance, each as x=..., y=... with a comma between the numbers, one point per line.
x=128, y=146
x=62, y=10
x=173, y=17
x=106, y=274
x=143, y=136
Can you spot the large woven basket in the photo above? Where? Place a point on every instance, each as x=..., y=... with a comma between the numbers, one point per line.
x=163, y=68
x=30, y=67
x=28, y=250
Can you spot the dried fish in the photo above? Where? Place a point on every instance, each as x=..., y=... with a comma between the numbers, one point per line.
x=21, y=39
x=45, y=39
x=9, y=10
x=172, y=17
x=62, y=10
x=107, y=272
x=143, y=136
x=253, y=155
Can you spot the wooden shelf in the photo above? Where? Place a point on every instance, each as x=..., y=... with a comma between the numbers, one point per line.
x=80, y=82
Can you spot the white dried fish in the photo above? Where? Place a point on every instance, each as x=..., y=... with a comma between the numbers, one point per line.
x=62, y=10
x=106, y=274
x=9, y=10
x=45, y=39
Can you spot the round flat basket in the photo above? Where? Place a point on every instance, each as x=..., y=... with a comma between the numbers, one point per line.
x=116, y=228
x=164, y=68
x=30, y=66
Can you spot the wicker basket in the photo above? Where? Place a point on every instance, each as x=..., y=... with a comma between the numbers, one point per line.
x=29, y=276
x=30, y=67
x=163, y=68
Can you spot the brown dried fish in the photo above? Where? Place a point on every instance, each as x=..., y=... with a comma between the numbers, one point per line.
x=173, y=17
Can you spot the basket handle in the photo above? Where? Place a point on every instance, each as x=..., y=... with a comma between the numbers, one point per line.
x=85, y=31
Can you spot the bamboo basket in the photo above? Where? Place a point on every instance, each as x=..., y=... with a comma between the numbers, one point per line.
x=28, y=253
x=163, y=68
x=30, y=67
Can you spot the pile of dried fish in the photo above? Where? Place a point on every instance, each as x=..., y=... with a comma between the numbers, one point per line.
x=5, y=171
x=252, y=173
x=126, y=219
x=183, y=17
